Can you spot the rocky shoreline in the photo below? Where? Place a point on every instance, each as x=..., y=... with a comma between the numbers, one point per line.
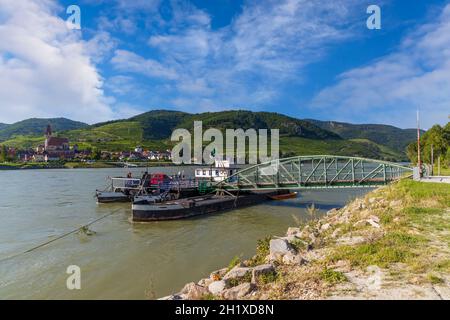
x=368, y=249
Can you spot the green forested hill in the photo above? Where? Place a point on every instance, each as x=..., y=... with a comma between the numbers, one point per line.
x=3, y=125
x=395, y=138
x=153, y=130
x=258, y=120
x=36, y=126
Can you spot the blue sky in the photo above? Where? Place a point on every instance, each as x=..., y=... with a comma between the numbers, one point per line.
x=308, y=59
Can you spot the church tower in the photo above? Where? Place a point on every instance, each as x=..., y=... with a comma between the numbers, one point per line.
x=48, y=132
x=48, y=135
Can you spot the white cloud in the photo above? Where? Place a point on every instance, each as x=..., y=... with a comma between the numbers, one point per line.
x=45, y=68
x=390, y=89
x=266, y=45
x=282, y=36
x=100, y=46
x=128, y=61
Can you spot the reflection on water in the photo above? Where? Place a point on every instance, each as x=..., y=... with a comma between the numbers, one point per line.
x=123, y=260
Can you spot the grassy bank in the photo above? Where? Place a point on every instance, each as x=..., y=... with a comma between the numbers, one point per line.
x=391, y=244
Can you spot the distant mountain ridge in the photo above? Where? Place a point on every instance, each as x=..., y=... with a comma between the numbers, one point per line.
x=3, y=125
x=36, y=126
x=393, y=137
x=153, y=130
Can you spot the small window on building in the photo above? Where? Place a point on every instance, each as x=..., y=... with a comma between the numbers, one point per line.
x=204, y=172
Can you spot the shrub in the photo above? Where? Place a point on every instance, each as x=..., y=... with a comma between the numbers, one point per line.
x=234, y=262
x=262, y=250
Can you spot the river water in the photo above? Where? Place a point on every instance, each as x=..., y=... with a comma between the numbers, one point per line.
x=123, y=260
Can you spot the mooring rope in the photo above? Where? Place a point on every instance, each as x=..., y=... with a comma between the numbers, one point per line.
x=58, y=238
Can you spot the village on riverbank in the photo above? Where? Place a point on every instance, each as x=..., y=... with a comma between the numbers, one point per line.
x=56, y=152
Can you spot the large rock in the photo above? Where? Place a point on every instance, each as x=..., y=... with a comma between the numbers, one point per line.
x=336, y=232
x=332, y=212
x=238, y=274
x=204, y=282
x=217, y=287
x=239, y=291
x=261, y=270
x=218, y=274
x=291, y=238
x=194, y=291
x=292, y=231
x=293, y=259
x=278, y=248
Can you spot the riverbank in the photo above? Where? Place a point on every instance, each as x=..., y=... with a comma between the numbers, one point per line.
x=391, y=244
x=77, y=165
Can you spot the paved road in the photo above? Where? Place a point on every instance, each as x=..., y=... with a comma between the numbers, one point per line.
x=436, y=179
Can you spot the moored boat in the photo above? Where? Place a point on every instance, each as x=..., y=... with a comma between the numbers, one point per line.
x=109, y=196
x=285, y=196
x=120, y=190
x=149, y=188
x=194, y=206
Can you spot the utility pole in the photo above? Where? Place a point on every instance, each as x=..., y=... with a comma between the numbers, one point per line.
x=419, y=162
x=432, y=160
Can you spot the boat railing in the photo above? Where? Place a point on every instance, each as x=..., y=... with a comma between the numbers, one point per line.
x=125, y=183
x=190, y=183
x=178, y=184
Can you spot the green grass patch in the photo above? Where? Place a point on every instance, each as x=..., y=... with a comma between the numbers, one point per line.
x=237, y=281
x=386, y=217
x=442, y=266
x=392, y=248
x=431, y=219
x=332, y=277
x=208, y=296
x=268, y=278
x=418, y=191
x=435, y=279
x=299, y=245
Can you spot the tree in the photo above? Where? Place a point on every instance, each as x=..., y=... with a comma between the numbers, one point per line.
x=411, y=152
x=436, y=139
x=3, y=153
x=97, y=154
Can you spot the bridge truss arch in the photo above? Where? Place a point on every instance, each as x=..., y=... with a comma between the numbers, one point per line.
x=313, y=172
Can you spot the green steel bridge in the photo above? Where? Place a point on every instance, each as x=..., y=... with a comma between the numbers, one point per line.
x=313, y=172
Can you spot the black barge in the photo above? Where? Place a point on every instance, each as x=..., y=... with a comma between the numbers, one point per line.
x=189, y=207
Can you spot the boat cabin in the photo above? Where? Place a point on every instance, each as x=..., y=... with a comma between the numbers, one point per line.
x=221, y=170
